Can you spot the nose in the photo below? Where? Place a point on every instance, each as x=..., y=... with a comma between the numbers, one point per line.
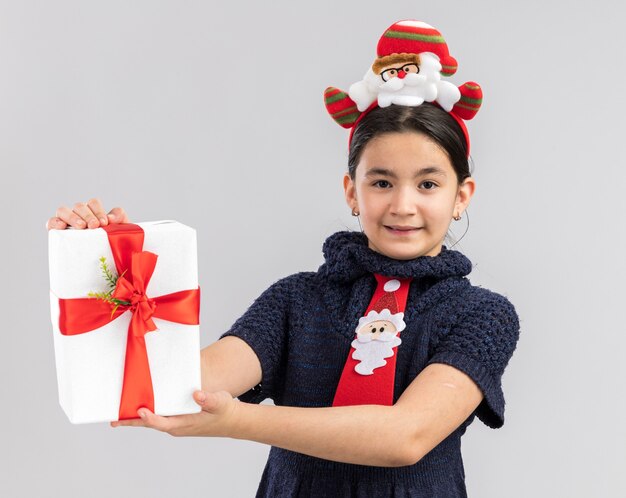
x=401, y=74
x=404, y=201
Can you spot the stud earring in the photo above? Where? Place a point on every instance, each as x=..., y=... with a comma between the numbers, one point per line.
x=355, y=213
x=457, y=218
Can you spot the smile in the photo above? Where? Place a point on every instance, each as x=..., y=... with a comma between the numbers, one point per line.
x=401, y=230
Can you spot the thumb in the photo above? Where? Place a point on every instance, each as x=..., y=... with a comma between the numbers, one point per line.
x=207, y=400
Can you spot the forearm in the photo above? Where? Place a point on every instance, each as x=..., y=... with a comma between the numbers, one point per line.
x=366, y=434
x=229, y=365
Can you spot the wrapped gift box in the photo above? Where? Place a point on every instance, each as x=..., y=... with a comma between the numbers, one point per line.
x=111, y=362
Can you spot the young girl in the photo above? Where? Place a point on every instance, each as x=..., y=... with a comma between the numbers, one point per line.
x=378, y=361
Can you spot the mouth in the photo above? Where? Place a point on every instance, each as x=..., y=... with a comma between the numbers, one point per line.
x=401, y=230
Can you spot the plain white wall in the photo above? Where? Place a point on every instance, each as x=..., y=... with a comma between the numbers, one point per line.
x=212, y=114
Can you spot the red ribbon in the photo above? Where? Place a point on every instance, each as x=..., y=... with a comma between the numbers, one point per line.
x=135, y=267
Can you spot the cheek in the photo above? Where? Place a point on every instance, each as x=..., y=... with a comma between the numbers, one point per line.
x=370, y=204
x=439, y=210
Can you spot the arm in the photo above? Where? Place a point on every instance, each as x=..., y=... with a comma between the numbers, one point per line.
x=439, y=399
x=230, y=364
x=431, y=408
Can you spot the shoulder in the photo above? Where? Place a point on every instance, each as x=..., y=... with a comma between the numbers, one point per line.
x=489, y=303
x=469, y=300
x=288, y=286
x=295, y=280
x=483, y=323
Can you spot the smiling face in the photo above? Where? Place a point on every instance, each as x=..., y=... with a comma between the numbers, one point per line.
x=406, y=192
x=375, y=329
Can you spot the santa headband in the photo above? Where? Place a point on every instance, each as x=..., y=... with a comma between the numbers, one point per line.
x=412, y=58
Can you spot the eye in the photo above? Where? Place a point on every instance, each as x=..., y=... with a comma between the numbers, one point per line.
x=378, y=182
x=428, y=182
x=387, y=74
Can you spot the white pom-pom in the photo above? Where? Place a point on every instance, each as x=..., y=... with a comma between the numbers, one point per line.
x=391, y=285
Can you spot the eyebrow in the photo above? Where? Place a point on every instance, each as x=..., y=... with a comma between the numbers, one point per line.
x=428, y=170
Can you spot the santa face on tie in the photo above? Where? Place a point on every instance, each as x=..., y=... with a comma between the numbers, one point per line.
x=376, y=338
x=374, y=330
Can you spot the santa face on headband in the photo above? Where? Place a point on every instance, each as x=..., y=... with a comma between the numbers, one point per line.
x=405, y=79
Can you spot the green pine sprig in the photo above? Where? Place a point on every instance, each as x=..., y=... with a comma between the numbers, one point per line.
x=108, y=275
x=111, y=279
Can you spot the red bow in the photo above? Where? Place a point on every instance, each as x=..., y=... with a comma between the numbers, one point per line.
x=134, y=292
x=78, y=316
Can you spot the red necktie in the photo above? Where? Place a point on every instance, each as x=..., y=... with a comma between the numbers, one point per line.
x=369, y=373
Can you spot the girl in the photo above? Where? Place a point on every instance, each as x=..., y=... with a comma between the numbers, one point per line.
x=378, y=361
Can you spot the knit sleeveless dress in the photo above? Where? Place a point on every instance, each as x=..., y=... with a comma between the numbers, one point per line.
x=302, y=328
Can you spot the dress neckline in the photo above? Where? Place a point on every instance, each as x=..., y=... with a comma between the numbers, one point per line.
x=348, y=257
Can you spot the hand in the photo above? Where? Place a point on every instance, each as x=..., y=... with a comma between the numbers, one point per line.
x=89, y=215
x=218, y=417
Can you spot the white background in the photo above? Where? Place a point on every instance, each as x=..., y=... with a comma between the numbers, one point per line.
x=212, y=114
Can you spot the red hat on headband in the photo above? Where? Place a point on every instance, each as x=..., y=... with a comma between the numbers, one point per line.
x=412, y=59
x=415, y=37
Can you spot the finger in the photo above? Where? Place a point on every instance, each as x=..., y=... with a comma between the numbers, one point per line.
x=147, y=419
x=82, y=210
x=131, y=422
x=69, y=217
x=117, y=215
x=155, y=421
x=199, y=397
x=213, y=402
x=207, y=400
x=96, y=208
x=55, y=223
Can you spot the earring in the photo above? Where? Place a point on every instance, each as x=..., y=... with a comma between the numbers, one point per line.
x=355, y=214
x=457, y=218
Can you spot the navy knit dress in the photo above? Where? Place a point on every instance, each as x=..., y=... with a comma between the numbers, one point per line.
x=301, y=328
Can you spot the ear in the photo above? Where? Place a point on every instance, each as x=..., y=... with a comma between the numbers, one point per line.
x=464, y=194
x=350, y=192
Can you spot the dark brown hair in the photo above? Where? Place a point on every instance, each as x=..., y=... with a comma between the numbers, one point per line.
x=429, y=119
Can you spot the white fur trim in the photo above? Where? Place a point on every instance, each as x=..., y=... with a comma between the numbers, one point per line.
x=430, y=63
x=447, y=95
x=364, y=92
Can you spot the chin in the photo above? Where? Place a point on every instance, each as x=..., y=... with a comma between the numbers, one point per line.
x=395, y=251
x=421, y=243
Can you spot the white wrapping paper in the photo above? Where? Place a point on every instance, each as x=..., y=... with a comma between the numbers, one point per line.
x=90, y=366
